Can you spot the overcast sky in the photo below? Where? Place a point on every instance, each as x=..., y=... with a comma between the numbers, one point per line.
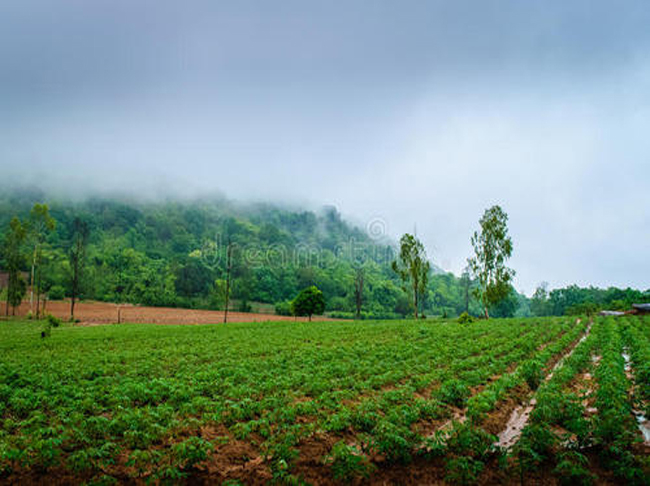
x=419, y=113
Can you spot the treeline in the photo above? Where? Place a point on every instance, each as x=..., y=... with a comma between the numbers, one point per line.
x=175, y=254
x=574, y=300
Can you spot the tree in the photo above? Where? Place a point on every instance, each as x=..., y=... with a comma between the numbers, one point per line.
x=228, y=272
x=539, y=304
x=14, y=260
x=492, y=247
x=465, y=285
x=77, y=259
x=308, y=302
x=39, y=225
x=412, y=267
x=358, y=291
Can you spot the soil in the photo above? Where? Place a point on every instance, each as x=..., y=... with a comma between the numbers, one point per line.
x=95, y=313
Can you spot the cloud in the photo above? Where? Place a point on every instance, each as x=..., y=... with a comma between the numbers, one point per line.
x=422, y=113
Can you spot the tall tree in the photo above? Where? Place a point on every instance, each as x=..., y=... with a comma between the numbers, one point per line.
x=77, y=259
x=359, y=278
x=492, y=247
x=14, y=260
x=39, y=225
x=465, y=285
x=228, y=275
x=539, y=304
x=412, y=267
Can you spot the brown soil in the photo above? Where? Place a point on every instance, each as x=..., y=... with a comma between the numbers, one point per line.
x=94, y=313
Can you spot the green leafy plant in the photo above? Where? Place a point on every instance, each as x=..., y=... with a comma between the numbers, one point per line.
x=348, y=463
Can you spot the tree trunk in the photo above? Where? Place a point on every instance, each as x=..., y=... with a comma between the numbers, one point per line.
x=31, y=284
x=487, y=316
x=8, y=293
x=415, y=299
x=38, y=292
x=228, y=269
x=72, y=307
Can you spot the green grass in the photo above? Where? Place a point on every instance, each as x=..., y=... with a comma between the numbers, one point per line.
x=132, y=399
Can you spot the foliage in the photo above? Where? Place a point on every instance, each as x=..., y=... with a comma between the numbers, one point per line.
x=465, y=318
x=412, y=267
x=14, y=260
x=53, y=321
x=308, y=302
x=348, y=463
x=283, y=308
x=492, y=247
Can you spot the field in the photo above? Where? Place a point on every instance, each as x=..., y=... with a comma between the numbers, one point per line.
x=416, y=402
x=89, y=313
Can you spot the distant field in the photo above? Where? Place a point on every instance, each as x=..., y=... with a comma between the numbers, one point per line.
x=326, y=402
x=107, y=313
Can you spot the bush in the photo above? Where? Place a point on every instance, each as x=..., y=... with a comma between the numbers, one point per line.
x=348, y=463
x=57, y=292
x=465, y=318
x=532, y=371
x=463, y=470
x=573, y=469
x=53, y=321
x=454, y=392
x=283, y=308
x=244, y=306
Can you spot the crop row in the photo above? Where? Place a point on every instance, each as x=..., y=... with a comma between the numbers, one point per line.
x=560, y=431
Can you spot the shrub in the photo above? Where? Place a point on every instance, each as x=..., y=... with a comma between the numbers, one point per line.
x=283, y=308
x=463, y=470
x=57, y=292
x=465, y=318
x=192, y=451
x=454, y=392
x=348, y=463
x=532, y=371
x=53, y=321
x=572, y=469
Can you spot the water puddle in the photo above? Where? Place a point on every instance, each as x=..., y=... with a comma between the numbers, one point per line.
x=641, y=419
x=516, y=423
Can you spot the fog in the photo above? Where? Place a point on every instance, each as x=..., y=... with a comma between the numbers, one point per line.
x=420, y=114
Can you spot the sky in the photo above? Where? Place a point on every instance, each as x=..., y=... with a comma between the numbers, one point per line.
x=418, y=115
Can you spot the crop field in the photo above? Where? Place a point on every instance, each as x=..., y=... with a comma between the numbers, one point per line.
x=535, y=401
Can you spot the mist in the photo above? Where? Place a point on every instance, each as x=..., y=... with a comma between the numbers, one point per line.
x=418, y=114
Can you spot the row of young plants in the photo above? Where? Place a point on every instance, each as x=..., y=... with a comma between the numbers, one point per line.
x=467, y=447
x=530, y=372
x=386, y=428
x=560, y=433
x=615, y=430
x=557, y=429
x=637, y=339
x=94, y=400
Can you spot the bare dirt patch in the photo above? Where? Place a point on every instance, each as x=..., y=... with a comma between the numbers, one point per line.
x=95, y=313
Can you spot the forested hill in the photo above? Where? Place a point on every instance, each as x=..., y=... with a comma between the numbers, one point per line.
x=173, y=253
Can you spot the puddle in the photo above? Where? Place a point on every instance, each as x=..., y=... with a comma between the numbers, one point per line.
x=516, y=423
x=641, y=420
x=644, y=426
